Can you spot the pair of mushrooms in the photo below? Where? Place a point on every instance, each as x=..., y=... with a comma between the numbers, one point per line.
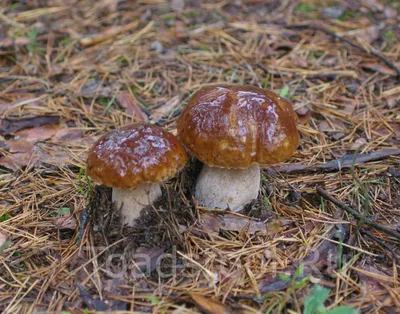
x=232, y=129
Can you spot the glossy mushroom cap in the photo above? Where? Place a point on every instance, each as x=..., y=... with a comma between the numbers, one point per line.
x=135, y=154
x=235, y=126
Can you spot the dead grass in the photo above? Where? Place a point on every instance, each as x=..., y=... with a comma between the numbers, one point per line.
x=98, y=65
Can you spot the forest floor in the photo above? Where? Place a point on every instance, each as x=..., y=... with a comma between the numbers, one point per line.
x=325, y=230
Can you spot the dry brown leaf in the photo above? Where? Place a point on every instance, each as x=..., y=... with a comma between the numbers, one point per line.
x=12, y=125
x=304, y=115
x=356, y=145
x=125, y=100
x=166, y=109
x=16, y=161
x=35, y=158
x=208, y=305
x=66, y=222
x=39, y=133
x=384, y=131
x=19, y=146
x=67, y=134
x=236, y=223
x=369, y=282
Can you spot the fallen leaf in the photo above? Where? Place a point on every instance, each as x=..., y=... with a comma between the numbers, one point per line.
x=16, y=161
x=238, y=223
x=368, y=280
x=208, y=305
x=12, y=125
x=385, y=131
x=304, y=114
x=65, y=222
x=125, y=100
x=13, y=99
x=39, y=133
x=166, y=109
x=19, y=146
x=67, y=134
x=35, y=158
x=356, y=145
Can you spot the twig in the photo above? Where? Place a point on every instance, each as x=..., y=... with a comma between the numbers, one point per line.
x=83, y=222
x=346, y=161
x=349, y=42
x=358, y=216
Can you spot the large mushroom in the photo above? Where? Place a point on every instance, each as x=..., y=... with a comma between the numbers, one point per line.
x=133, y=160
x=233, y=129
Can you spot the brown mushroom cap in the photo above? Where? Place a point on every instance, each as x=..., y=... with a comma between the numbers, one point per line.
x=235, y=126
x=135, y=154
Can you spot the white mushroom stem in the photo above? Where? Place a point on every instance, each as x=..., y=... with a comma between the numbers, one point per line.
x=132, y=201
x=227, y=188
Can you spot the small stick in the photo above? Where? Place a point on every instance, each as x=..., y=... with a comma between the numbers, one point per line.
x=358, y=216
x=346, y=161
x=349, y=42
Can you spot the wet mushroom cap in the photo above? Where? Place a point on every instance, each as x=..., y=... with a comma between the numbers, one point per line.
x=235, y=126
x=135, y=154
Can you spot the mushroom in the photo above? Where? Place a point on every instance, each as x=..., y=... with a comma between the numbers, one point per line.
x=133, y=160
x=233, y=129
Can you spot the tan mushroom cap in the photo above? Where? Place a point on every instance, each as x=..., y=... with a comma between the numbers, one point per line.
x=135, y=154
x=235, y=126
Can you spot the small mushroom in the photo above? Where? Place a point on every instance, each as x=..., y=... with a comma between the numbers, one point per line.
x=133, y=160
x=233, y=129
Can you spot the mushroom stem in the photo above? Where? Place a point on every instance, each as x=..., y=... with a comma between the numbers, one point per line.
x=134, y=200
x=227, y=188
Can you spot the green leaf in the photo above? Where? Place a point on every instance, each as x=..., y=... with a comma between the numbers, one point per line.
x=266, y=81
x=315, y=301
x=4, y=217
x=65, y=211
x=342, y=310
x=284, y=277
x=153, y=300
x=301, y=283
x=284, y=92
x=306, y=7
x=299, y=271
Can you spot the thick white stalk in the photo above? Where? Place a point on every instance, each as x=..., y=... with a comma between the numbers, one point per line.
x=134, y=200
x=227, y=188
